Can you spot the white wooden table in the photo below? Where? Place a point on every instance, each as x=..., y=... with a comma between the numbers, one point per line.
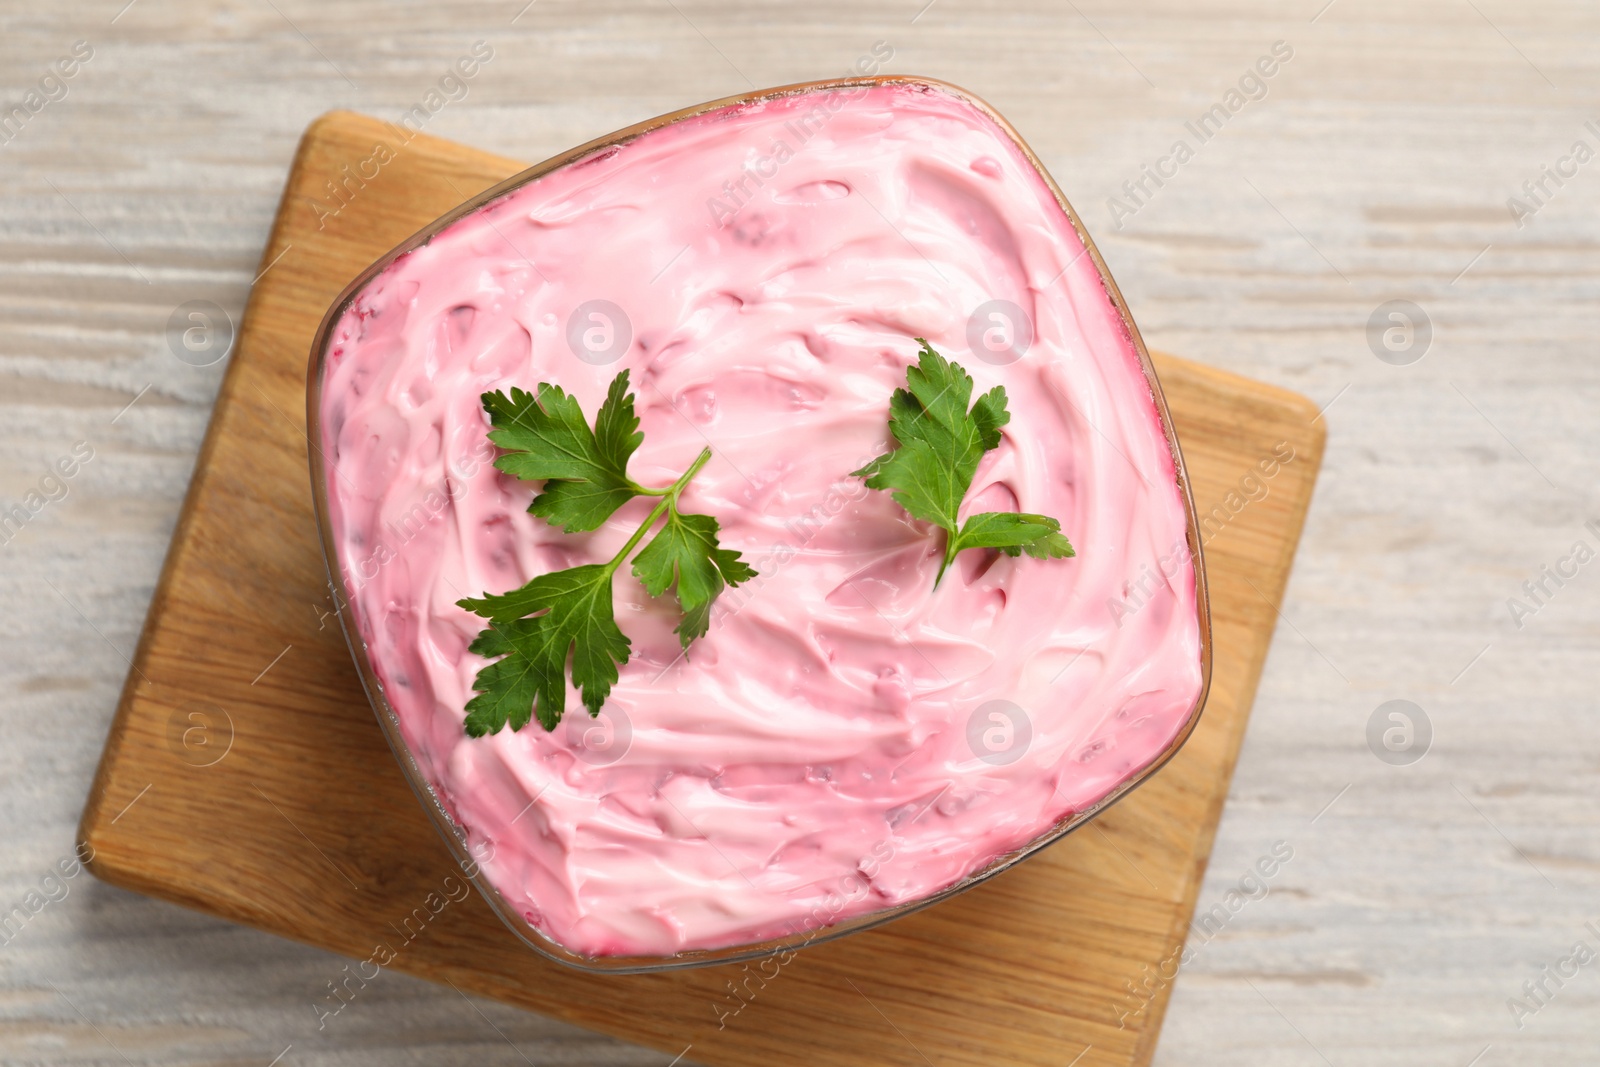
x=1375, y=164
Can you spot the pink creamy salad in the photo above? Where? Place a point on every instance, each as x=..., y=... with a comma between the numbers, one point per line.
x=847, y=737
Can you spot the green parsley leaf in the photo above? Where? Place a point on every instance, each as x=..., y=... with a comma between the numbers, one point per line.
x=577, y=621
x=686, y=550
x=547, y=438
x=534, y=630
x=539, y=595
x=1038, y=535
x=940, y=443
x=508, y=687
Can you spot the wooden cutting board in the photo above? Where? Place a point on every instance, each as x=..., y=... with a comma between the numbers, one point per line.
x=245, y=774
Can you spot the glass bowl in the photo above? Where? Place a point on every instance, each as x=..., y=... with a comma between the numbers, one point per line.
x=454, y=835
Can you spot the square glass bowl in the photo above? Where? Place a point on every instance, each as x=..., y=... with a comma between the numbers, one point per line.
x=453, y=833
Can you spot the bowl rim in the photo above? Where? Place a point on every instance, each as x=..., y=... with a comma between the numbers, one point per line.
x=449, y=829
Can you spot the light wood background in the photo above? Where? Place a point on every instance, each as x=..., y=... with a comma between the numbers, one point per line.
x=1377, y=167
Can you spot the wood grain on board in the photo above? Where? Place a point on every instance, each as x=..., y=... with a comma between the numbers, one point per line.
x=304, y=826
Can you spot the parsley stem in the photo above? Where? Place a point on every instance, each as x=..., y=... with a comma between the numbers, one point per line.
x=694, y=468
x=669, y=500
x=952, y=545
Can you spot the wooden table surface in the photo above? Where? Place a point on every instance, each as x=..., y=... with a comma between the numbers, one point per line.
x=1375, y=164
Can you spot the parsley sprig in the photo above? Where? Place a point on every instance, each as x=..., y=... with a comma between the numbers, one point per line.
x=533, y=630
x=940, y=442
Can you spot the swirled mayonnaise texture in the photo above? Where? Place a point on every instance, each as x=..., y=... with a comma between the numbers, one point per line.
x=847, y=737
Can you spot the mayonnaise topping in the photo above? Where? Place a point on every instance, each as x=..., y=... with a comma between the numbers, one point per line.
x=847, y=737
